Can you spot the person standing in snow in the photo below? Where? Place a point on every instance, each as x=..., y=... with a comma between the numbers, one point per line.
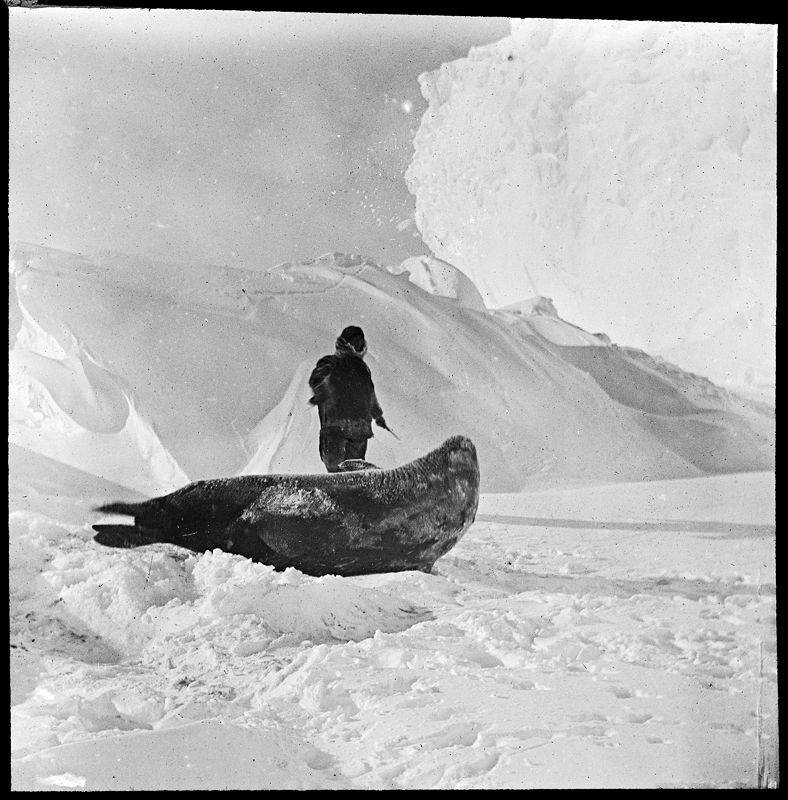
x=344, y=394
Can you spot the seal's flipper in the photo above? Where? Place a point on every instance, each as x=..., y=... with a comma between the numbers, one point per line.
x=125, y=536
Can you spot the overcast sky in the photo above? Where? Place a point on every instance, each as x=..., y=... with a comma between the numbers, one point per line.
x=239, y=138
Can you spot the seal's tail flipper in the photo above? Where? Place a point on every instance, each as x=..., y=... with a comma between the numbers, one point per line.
x=131, y=509
x=125, y=536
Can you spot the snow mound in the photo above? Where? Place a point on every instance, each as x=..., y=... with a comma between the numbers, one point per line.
x=625, y=168
x=296, y=605
x=342, y=260
x=438, y=277
x=62, y=404
x=285, y=434
x=141, y=599
x=541, y=306
x=540, y=316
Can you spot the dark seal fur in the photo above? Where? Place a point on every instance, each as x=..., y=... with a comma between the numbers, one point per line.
x=343, y=523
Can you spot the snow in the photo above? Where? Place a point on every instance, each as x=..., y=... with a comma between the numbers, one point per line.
x=539, y=315
x=216, y=382
x=587, y=631
x=439, y=278
x=62, y=404
x=626, y=169
x=605, y=635
x=608, y=620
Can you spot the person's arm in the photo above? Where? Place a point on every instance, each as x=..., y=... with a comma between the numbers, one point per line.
x=318, y=377
x=377, y=414
x=377, y=411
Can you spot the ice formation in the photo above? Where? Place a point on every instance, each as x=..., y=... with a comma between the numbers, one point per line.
x=439, y=278
x=202, y=373
x=63, y=405
x=625, y=169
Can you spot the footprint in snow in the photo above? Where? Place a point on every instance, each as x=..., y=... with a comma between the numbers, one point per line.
x=621, y=692
x=461, y=734
x=639, y=719
x=592, y=718
x=727, y=727
x=443, y=713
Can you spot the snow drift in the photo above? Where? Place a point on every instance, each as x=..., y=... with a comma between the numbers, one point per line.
x=150, y=374
x=625, y=169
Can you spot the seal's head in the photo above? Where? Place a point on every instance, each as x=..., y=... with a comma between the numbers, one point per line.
x=454, y=458
x=460, y=479
x=460, y=454
x=352, y=340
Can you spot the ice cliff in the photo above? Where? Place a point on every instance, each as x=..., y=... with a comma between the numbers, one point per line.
x=625, y=169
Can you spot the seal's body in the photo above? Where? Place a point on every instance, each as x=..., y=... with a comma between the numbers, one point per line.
x=353, y=522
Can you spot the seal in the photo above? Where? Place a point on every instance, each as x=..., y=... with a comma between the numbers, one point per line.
x=355, y=522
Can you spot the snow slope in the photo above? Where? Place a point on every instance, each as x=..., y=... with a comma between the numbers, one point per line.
x=624, y=168
x=63, y=404
x=439, y=278
x=608, y=636
x=151, y=374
